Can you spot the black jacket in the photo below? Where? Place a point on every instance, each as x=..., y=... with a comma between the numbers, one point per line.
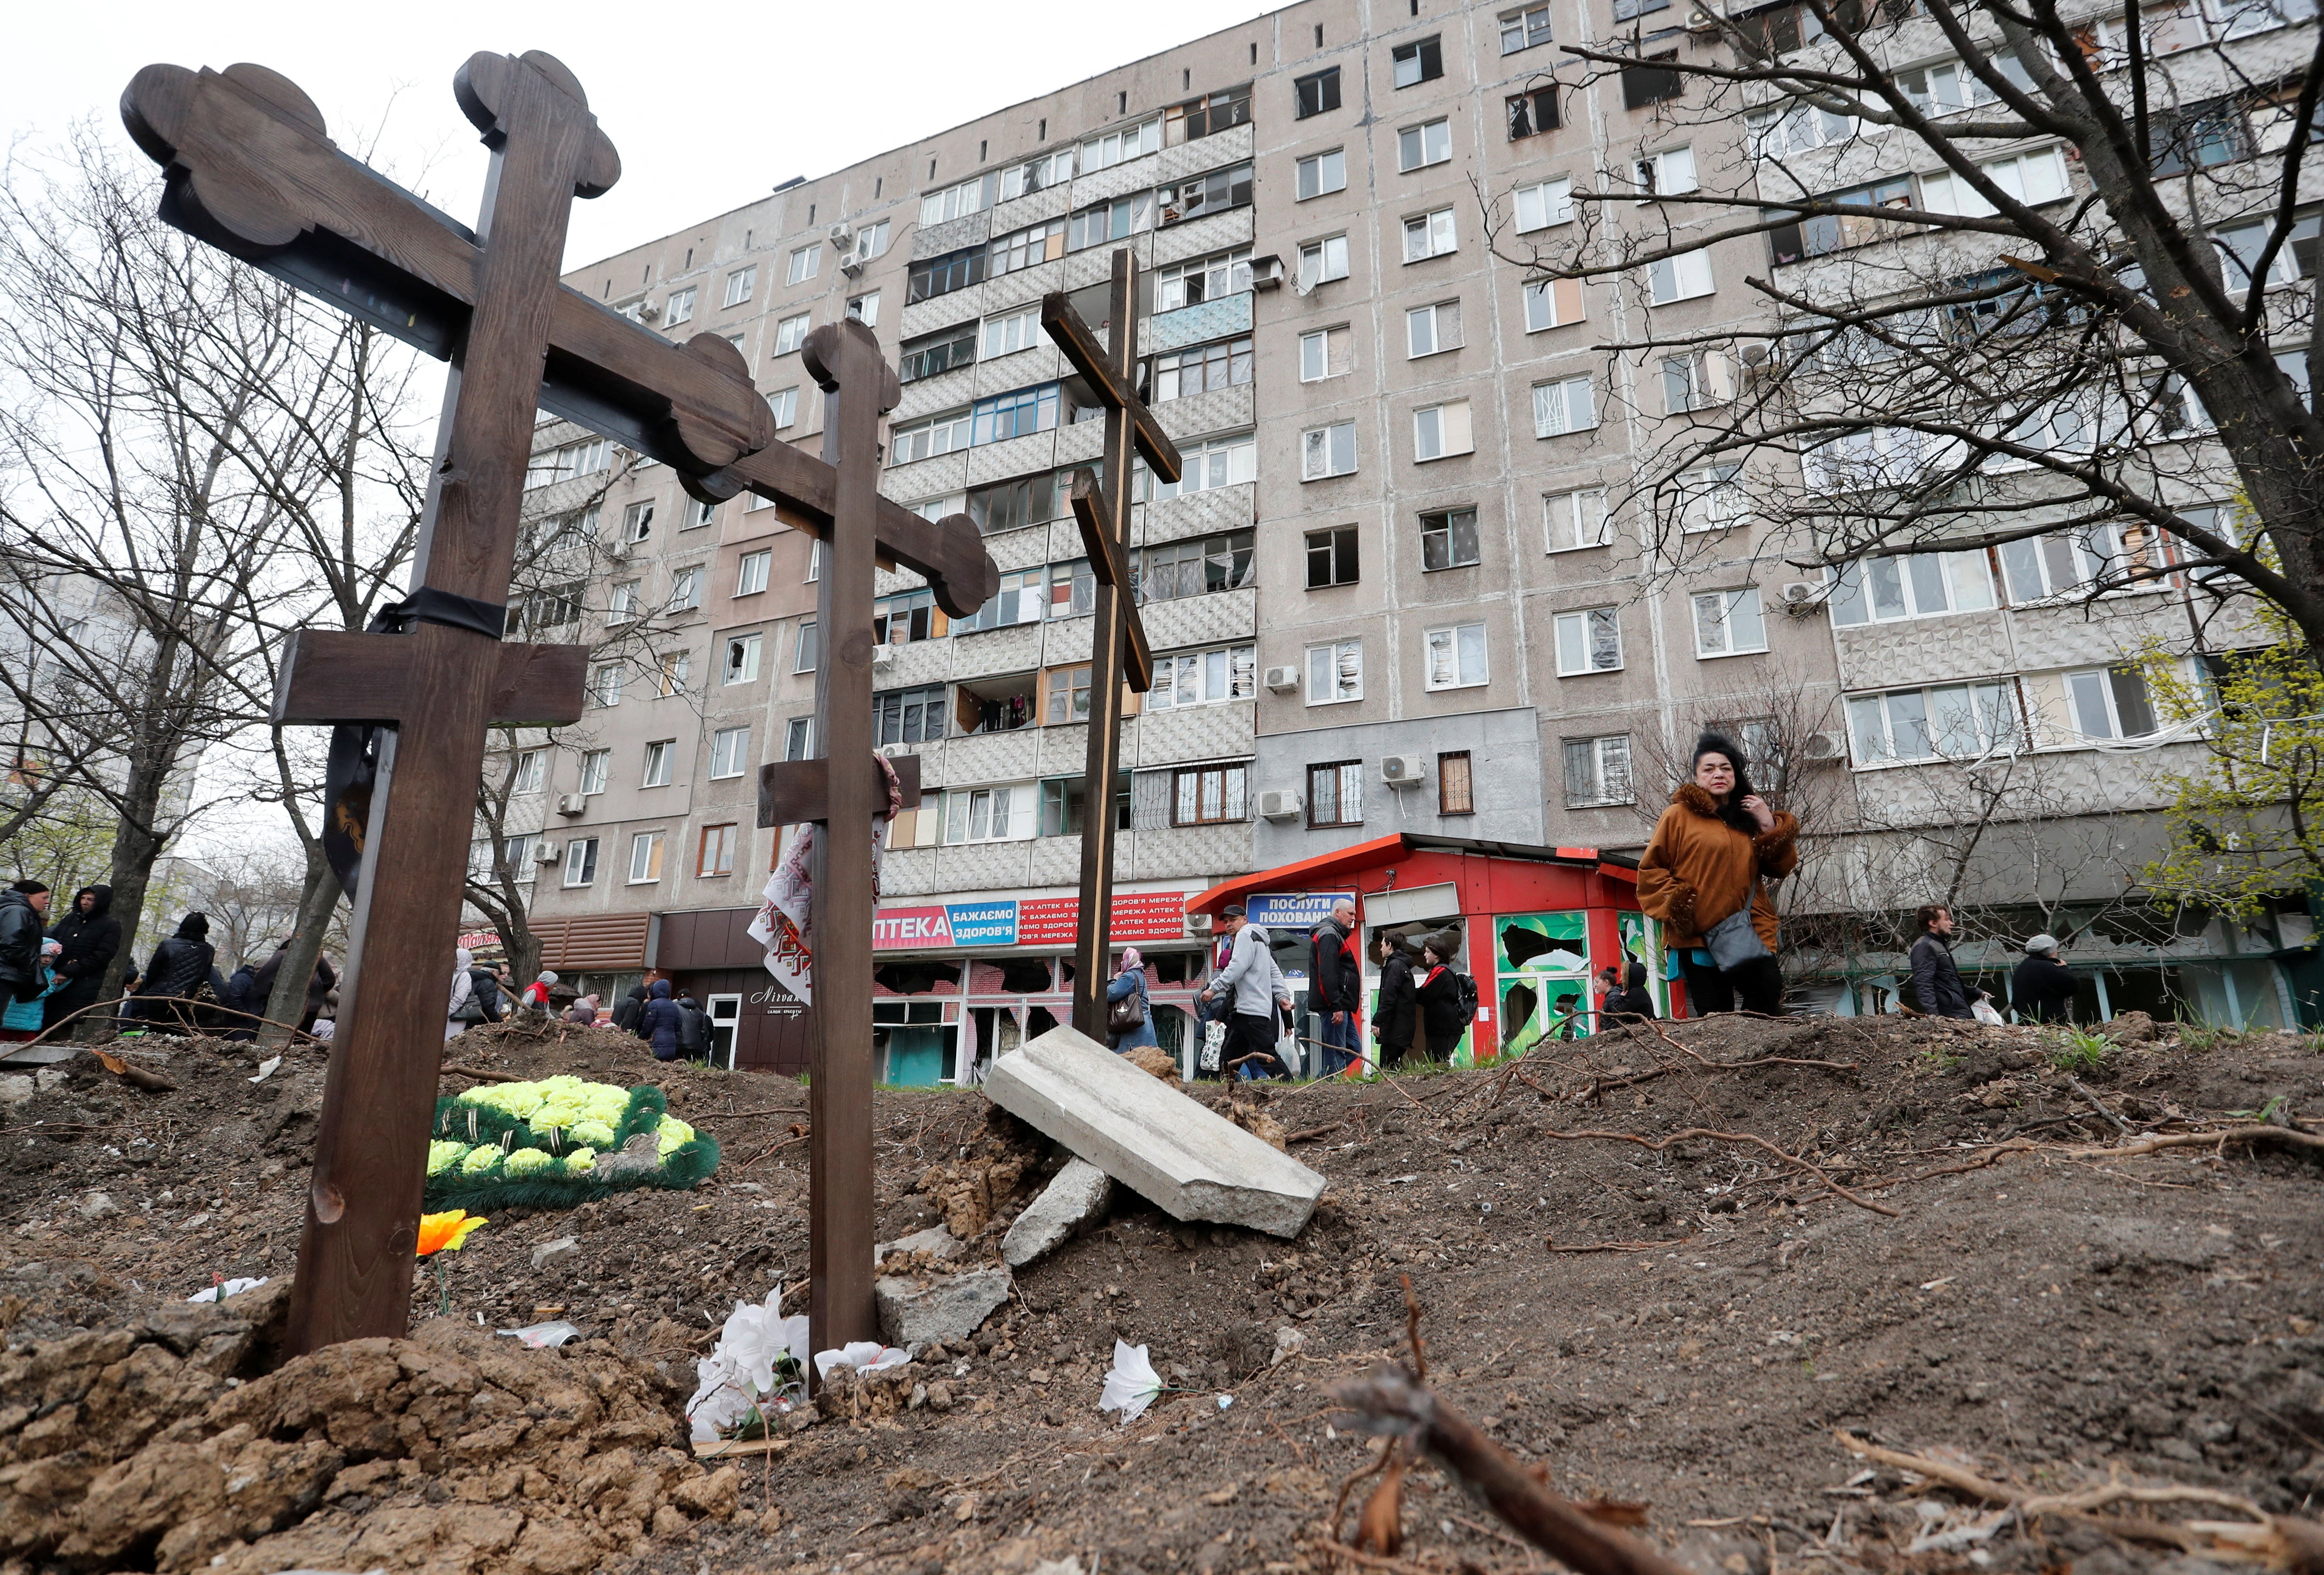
x=1399, y=1005
x=1937, y=988
x=629, y=1013
x=181, y=967
x=1338, y=978
x=693, y=1026
x=1630, y=1005
x=2044, y=989
x=20, y=940
x=89, y=939
x=1439, y=1010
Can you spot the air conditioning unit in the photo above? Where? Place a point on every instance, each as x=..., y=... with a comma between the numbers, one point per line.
x=546, y=853
x=573, y=804
x=896, y=752
x=883, y=657
x=616, y=550
x=649, y=311
x=1404, y=770
x=1198, y=924
x=853, y=267
x=1283, y=680
x=1282, y=805
x=1799, y=598
x=1267, y=273
x=841, y=235
x=1821, y=748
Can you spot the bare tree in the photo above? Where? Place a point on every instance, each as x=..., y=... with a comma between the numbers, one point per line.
x=2001, y=258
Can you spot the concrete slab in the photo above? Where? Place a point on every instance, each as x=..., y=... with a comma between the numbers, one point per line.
x=1075, y=1195
x=938, y=1241
x=1162, y=1146
x=949, y=1307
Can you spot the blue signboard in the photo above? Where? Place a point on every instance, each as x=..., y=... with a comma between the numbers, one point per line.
x=1293, y=910
x=983, y=924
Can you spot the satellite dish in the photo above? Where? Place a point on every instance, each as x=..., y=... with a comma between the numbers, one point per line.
x=1302, y=285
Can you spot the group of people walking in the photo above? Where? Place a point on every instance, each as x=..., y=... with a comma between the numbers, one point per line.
x=670, y=1022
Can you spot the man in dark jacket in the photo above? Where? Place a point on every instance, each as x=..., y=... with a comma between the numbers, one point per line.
x=2044, y=987
x=244, y=1004
x=90, y=937
x=1337, y=983
x=693, y=1030
x=21, y=907
x=629, y=1015
x=1937, y=988
x=174, y=979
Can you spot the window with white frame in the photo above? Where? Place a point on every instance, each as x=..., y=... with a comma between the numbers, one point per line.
x=1598, y=770
x=1577, y=519
x=622, y=602
x=2032, y=177
x=1204, y=678
x=1668, y=173
x=1710, y=498
x=739, y=283
x=974, y=195
x=676, y=666
x=1448, y=540
x=1324, y=353
x=680, y=308
x=783, y=405
x=798, y=738
x=637, y=522
x=1119, y=147
x=522, y=864
x=1918, y=584
x=1038, y=175
x=1320, y=173
x=2239, y=246
x=1207, y=466
x=531, y=771
x=1419, y=147
x=1008, y=814
x=660, y=756
x=792, y=333
x=1012, y=331
x=1429, y=234
x=1322, y=262
x=1202, y=369
x=1552, y=303
x=1327, y=451
x=1455, y=657
x=751, y=572
x=1421, y=60
x=1022, y=595
x=1335, y=672
x=606, y=685
x=1864, y=459
x=587, y=457
x=1440, y=431
x=813, y=560
x=1564, y=406
x=1782, y=134
x=925, y=439
x=1953, y=721
x=581, y=861
x=730, y=753
x=2068, y=563
x=1428, y=329
x=697, y=513
x=1543, y=203
x=1117, y=219
x=1696, y=381
x=1211, y=278
x=1680, y=278
x=2110, y=703
x=686, y=589
x=872, y=240
x=1589, y=641
x=1728, y=623
x=804, y=264
x=808, y=650
x=1522, y=30
x=645, y=858
x=741, y=665
x=865, y=308
x=596, y=766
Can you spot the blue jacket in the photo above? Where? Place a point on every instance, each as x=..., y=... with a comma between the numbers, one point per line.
x=1132, y=980
x=661, y=1022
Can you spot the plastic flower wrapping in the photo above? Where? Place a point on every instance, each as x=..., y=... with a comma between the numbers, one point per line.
x=758, y=1367
x=559, y=1142
x=1130, y=1383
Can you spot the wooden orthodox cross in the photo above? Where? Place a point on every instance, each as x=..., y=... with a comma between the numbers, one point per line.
x=1117, y=649
x=248, y=169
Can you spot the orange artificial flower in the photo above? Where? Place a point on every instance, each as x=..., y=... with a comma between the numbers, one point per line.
x=440, y=1231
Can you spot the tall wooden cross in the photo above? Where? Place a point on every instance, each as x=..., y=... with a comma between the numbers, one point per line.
x=249, y=169
x=1118, y=648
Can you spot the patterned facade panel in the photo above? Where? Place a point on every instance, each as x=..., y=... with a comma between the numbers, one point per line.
x=972, y=230
x=1057, y=861
x=908, y=873
x=1015, y=650
x=1192, y=852
x=1922, y=650
x=1020, y=549
x=1205, y=620
x=994, y=757
x=1203, y=154
x=2077, y=636
x=992, y=461
x=924, y=661
x=1030, y=210
x=1197, y=323
x=1066, y=640
x=947, y=391
x=926, y=317
x=1200, y=415
x=1233, y=508
x=926, y=478
x=1020, y=369
x=888, y=582
x=1200, y=237
x=1024, y=287
x=1094, y=265
x=1118, y=181
x=1065, y=751
x=1065, y=540
x=1081, y=442
x=931, y=752
x=981, y=866
x=1198, y=732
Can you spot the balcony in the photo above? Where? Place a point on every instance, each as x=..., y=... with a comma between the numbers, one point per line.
x=1199, y=323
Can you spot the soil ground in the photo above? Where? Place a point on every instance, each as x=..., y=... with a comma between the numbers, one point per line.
x=1683, y=1326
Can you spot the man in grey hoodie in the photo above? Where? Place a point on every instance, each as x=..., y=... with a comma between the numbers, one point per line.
x=1254, y=987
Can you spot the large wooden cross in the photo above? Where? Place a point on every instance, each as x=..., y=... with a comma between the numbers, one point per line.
x=249, y=169
x=1118, y=648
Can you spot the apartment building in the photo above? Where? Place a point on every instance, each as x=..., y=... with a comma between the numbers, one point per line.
x=1397, y=588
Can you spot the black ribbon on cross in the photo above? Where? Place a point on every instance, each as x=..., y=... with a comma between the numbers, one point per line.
x=353, y=769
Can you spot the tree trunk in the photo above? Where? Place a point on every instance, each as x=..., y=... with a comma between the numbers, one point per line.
x=287, y=1005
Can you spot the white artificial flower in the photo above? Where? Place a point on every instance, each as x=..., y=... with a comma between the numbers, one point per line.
x=739, y=1373
x=230, y=1289
x=1130, y=1383
x=865, y=1356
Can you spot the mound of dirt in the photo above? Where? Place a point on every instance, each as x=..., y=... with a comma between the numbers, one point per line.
x=145, y=1447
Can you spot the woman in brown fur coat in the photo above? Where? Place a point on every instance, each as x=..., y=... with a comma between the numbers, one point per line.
x=1711, y=851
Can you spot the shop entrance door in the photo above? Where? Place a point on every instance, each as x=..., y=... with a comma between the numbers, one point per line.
x=724, y=1012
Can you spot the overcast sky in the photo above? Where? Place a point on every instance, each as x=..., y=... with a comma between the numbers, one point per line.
x=710, y=104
